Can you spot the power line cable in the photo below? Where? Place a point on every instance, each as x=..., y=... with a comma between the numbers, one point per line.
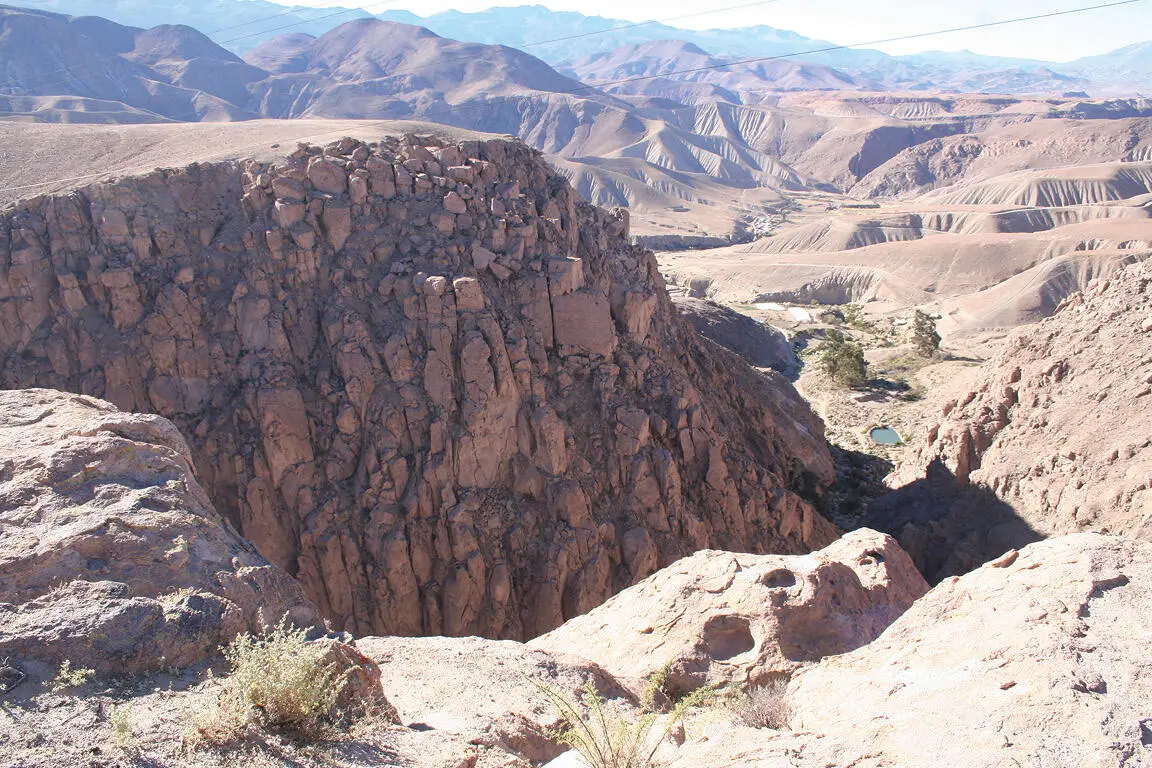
x=829, y=49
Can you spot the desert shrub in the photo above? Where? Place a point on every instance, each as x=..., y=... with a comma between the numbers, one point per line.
x=606, y=736
x=843, y=360
x=763, y=706
x=924, y=335
x=123, y=726
x=854, y=317
x=67, y=677
x=279, y=682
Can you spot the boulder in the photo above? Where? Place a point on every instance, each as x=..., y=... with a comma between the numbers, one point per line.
x=719, y=617
x=584, y=320
x=760, y=344
x=111, y=555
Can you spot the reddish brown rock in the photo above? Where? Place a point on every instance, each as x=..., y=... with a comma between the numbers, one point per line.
x=1053, y=438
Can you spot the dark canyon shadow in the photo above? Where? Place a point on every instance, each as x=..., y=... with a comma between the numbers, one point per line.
x=948, y=528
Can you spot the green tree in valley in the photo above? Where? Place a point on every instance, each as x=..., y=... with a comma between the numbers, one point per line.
x=924, y=335
x=843, y=360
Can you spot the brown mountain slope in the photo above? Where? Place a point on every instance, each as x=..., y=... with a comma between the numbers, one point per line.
x=424, y=378
x=170, y=72
x=1055, y=433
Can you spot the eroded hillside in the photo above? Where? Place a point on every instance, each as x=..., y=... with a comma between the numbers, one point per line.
x=1051, y=439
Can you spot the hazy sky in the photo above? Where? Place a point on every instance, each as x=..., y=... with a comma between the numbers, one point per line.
x=852, y=21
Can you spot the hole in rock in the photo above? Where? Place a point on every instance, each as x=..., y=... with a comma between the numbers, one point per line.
x=725, y=637
x=781, y=578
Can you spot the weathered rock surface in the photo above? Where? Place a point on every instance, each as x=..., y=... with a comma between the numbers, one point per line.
x=111, y=555
x=760, y=344
x=719, y=617
x=1053, y=439
x=1039, y=658
x=430, y=446
x=484, y=692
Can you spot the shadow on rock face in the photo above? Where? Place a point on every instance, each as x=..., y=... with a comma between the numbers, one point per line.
x=949, y=528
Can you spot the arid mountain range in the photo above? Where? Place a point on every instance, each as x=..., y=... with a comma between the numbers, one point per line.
x=562, y=37
x=707, y=158
x=325, y=327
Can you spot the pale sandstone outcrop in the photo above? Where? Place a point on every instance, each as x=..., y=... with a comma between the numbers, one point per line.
x=483, y=693
x=111, y=556
x=1039, y=658
x=1053, y=439
x=451, y=404
x=720, y=617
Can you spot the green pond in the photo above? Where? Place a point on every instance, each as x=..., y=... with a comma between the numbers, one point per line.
x=886, y=436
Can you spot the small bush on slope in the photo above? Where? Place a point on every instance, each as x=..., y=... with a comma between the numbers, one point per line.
x=67, y=677
x=278, y=682
x=606, y=737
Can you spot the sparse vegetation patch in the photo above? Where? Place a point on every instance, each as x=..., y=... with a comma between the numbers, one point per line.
x=278, y=682
x=763, y=706
x=607, y=736
x=69, y=677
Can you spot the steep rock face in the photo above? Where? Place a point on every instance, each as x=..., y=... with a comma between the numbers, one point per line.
x=111, y=555
x=720, y=617
x=1053, y=439
x=758, y=343
x=425, y=379
x=1039, y=658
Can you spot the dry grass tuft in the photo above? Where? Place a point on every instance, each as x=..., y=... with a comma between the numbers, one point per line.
x=606, y=736
x=764, y=706
x=279, y=683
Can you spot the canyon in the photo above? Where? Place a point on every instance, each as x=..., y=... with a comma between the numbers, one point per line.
x=423, y=378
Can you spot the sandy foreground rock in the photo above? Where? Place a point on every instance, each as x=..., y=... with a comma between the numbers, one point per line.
x=1039, y=658
x=484, y=691
x=719, y=617
x=111, y=555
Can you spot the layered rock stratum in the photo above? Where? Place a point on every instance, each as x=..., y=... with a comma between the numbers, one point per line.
x=422, y=377
x=1053, y=437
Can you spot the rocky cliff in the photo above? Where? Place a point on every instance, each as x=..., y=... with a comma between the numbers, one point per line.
x=425, y=379
x=1052, y=439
